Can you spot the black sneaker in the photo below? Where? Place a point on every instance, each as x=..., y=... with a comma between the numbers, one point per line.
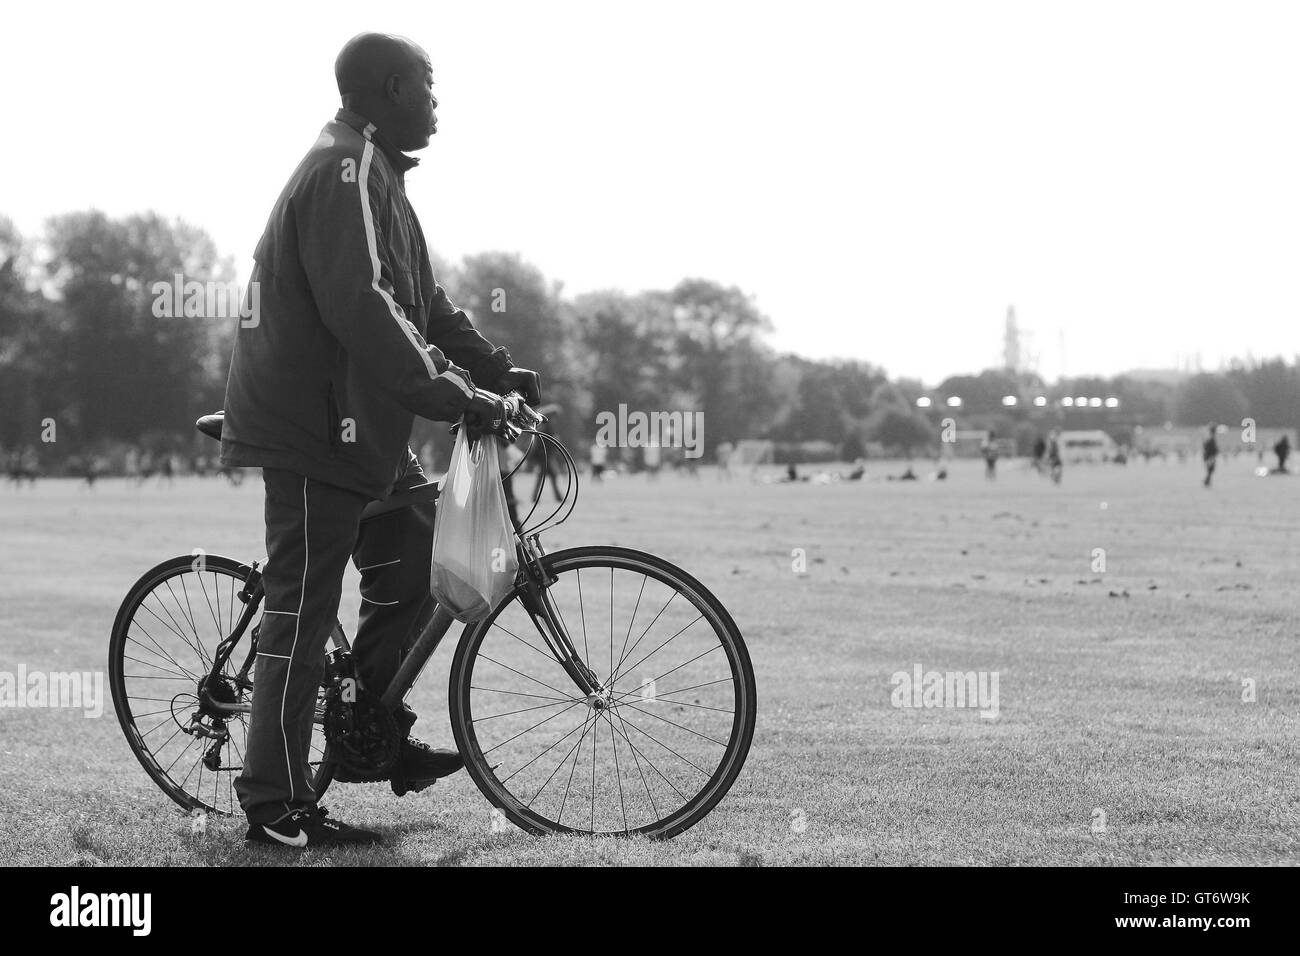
x=308, y=826
x=419, y=765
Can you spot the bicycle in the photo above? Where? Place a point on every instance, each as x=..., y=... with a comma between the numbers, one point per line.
x=523, y=699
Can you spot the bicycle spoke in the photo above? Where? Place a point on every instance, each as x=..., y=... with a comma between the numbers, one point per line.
x=174, y=630
x=720, y=743
x=637, y=750
x=680, y=666
x=160, y=652
x=618, y=773
x=637, y=762
x=623, y=650
x=665, y=644
x=628, y=722
x=513, y=693
x=567, y=786
x=619, y=669
x=533, y=727
x=549, y=657
x=511, y=713
x=526, y=677
x=586, y=656
x=179, y=675
x=563, y=760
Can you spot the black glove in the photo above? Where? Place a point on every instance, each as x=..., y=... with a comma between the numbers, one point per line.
x=486, y=412
x=523, y=381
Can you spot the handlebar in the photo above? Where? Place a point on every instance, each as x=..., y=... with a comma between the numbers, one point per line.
x=520, y=416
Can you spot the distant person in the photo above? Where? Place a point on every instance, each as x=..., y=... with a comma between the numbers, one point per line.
x=691, y=464
x=93, y=467
x=1040, y=451
x=652, y=456
x=545, y=458
x=1210, y=454
x=25, y=465
x=1054, y=463
x=509, y=457
x=1283, y=451
x=989, y=449
x=599, y=456
x=723, y=453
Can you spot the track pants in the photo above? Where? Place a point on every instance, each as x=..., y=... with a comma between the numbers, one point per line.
x=312, y=529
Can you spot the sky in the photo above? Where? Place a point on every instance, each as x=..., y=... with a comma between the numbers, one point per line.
x=885, y=178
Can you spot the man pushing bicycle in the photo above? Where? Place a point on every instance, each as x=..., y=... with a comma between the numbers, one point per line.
x=354, y=338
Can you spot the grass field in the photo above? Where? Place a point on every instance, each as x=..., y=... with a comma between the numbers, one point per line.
x=1122, y=735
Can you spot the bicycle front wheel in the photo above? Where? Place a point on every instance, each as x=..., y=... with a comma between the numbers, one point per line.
x=659, y=744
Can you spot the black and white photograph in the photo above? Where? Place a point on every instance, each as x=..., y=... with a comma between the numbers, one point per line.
x=682, y=435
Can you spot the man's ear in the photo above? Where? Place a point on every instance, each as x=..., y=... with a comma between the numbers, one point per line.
x=393, y=88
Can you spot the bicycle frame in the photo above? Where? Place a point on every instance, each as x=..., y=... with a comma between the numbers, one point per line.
x=534, y=598
x=536, y=601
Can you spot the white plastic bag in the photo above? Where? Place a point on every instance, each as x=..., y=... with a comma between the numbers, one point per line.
x=474, y=560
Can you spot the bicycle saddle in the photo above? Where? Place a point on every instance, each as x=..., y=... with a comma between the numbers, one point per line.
x=210, y=425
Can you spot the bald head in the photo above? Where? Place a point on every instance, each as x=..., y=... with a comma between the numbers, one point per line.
x=388, y=79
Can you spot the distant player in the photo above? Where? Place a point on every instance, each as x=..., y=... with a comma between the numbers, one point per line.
x=652, y=458
x=1040, y=450
x=723, y=454
x=1283, y=451
x=1054, y=463
x=1210, y=454
x=989, y=449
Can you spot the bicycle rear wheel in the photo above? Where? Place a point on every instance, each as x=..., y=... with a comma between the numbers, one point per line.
x=661, y=742
x=161, y=649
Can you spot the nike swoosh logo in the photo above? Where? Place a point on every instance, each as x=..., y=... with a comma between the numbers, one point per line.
x=299, y=840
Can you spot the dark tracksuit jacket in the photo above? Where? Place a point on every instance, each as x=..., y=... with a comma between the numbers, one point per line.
x=353, y=329
x=353, y=338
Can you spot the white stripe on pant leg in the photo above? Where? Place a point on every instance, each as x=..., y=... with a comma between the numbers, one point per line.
x=288, y=668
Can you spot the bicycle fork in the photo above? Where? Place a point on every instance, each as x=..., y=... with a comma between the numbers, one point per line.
x=536, y=600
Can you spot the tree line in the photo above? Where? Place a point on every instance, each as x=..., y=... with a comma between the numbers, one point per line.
x=81, y=346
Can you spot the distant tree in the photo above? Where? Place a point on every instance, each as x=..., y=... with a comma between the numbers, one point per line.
x=1209, y=397
x=1144, y=403
x=126, y=370
x=900, y=428
x=31, y=334
x=514, y=305
x=979, y=393
x=1272, y=391
x=713, y=322
x=902, y=393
